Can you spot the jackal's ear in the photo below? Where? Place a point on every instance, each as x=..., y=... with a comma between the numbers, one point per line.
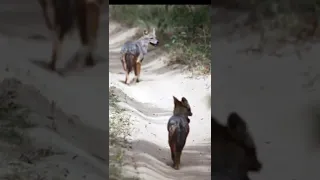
x=154, y=31
x=184, y=101
x=236, y=124
x=176, y=101
x=145, y=32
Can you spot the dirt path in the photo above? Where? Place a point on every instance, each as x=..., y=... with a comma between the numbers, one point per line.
x=150, y=103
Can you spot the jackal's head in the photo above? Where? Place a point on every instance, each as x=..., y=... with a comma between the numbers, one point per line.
x=150, y=37
x=234, y=150
x=182, y=107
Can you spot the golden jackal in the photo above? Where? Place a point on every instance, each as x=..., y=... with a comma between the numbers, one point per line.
x=133, y=52
x=178, y=128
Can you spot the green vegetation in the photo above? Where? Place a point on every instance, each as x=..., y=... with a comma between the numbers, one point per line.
x=291, y=19
x=119, y=131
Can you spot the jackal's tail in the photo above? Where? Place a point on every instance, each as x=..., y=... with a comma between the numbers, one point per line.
x=129, y=58
x=62, y=13
x=177, y=136
x=181, y=137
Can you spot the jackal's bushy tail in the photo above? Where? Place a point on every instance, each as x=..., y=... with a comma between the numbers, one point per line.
x=181, y=137
x=178, y=134
x=64, y=14
x=172, y=130
x=129, y=58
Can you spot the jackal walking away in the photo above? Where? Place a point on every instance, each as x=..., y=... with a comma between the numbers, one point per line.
x=61, y=16
x=133, y=52
x=234, y=152
x=178, y=129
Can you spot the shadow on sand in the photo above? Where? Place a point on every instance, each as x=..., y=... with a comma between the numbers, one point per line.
x=153, y=156
x=72, y=66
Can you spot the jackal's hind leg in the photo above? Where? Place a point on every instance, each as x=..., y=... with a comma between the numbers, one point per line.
x=171, y=149
x=58, y=38
x=88, y=23
x=127, y=77
x=176, y=164
x=93, y=16
x=138, y=66
x=135, y=69
x=172, y=145
x=89, y=60
x=178, y=154
x=173, y=156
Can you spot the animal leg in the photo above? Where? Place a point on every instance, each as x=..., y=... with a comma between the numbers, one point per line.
x=127, y=77
x=176, y=160
x=171, y=148
x=92, y=23
x=172, y=144
x=85, y=12
x=172, y=156
x=58, y=34
x=45, y=5
x=135, y=69
x=178, y=154
x=123, y=62
x=173, y=153
x=56, y=49
x=138, y=66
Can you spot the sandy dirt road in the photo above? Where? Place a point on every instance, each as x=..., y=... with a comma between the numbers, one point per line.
x=150, y=104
